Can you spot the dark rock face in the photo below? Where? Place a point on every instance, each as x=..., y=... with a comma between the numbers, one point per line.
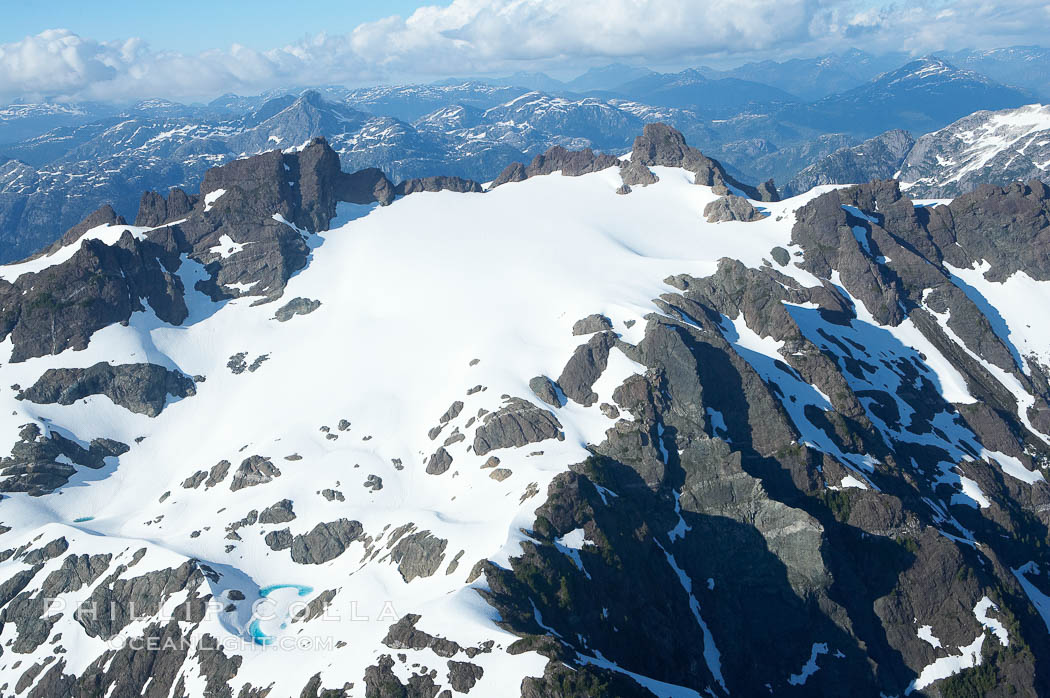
x=585, y=367
x=418, y=555
x=440, y=461
x=281, y=512
x=545, y=389
x=405, y=635
x=325, y=541
x=571, y=163
x=463, y=675
x=61, y=306
x=438, y=183
x=516, y=424
x=114, y=603
x=712, y=467
x=663, y=146
x=731, y=208
x=591, y=324
x=875, y=158
x=155, y=210
x=296, y=306
x=365, y=187
x=253, y=471
x=635, y=174
x=141, y=388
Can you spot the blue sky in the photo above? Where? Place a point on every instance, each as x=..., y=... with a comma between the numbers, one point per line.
x=126, y=50
x=196, y=25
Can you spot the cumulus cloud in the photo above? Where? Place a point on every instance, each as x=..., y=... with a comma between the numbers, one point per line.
x=491, y=36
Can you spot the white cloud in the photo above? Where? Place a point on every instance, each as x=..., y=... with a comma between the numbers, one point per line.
x=490, y=36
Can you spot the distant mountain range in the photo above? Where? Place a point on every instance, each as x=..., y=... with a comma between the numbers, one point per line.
x=63, y=161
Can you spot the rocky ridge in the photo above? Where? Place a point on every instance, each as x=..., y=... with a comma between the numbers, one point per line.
x=768, y=442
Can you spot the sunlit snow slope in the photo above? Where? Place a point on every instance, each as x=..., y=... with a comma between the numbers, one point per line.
x=838, y=398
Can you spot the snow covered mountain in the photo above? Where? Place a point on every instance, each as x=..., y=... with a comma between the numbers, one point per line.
x=1023, y=66
x=1001, y=146
x=54, y=180
x=875, y=158
x=920, y=96
x=608, y=428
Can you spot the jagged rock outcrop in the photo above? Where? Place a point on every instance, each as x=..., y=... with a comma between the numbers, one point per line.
x=591, y=324
x=663, y=146
x=155, y=209
x=40, y=464
x=571, y=163
x=141, y=388
x=731, y=208
x=438, y=183
x=253, y=471
x=296, y=306
x=418, y=555
x=545, y=389
x=325, y=541
x=246, y=228
x=585, y=367
x=517, y=423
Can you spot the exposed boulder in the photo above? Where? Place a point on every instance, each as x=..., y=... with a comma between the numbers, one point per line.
x=418, y=555
x=440, y=461
x=635, y=174
x=325, y=541
x=545, y=389
x=255, y=470
x=585, y=367
x=281, y=512
x=732, y=208
x=296, y=306
x=516, y=424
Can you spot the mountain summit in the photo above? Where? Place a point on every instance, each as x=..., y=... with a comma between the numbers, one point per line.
x=611, y=427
